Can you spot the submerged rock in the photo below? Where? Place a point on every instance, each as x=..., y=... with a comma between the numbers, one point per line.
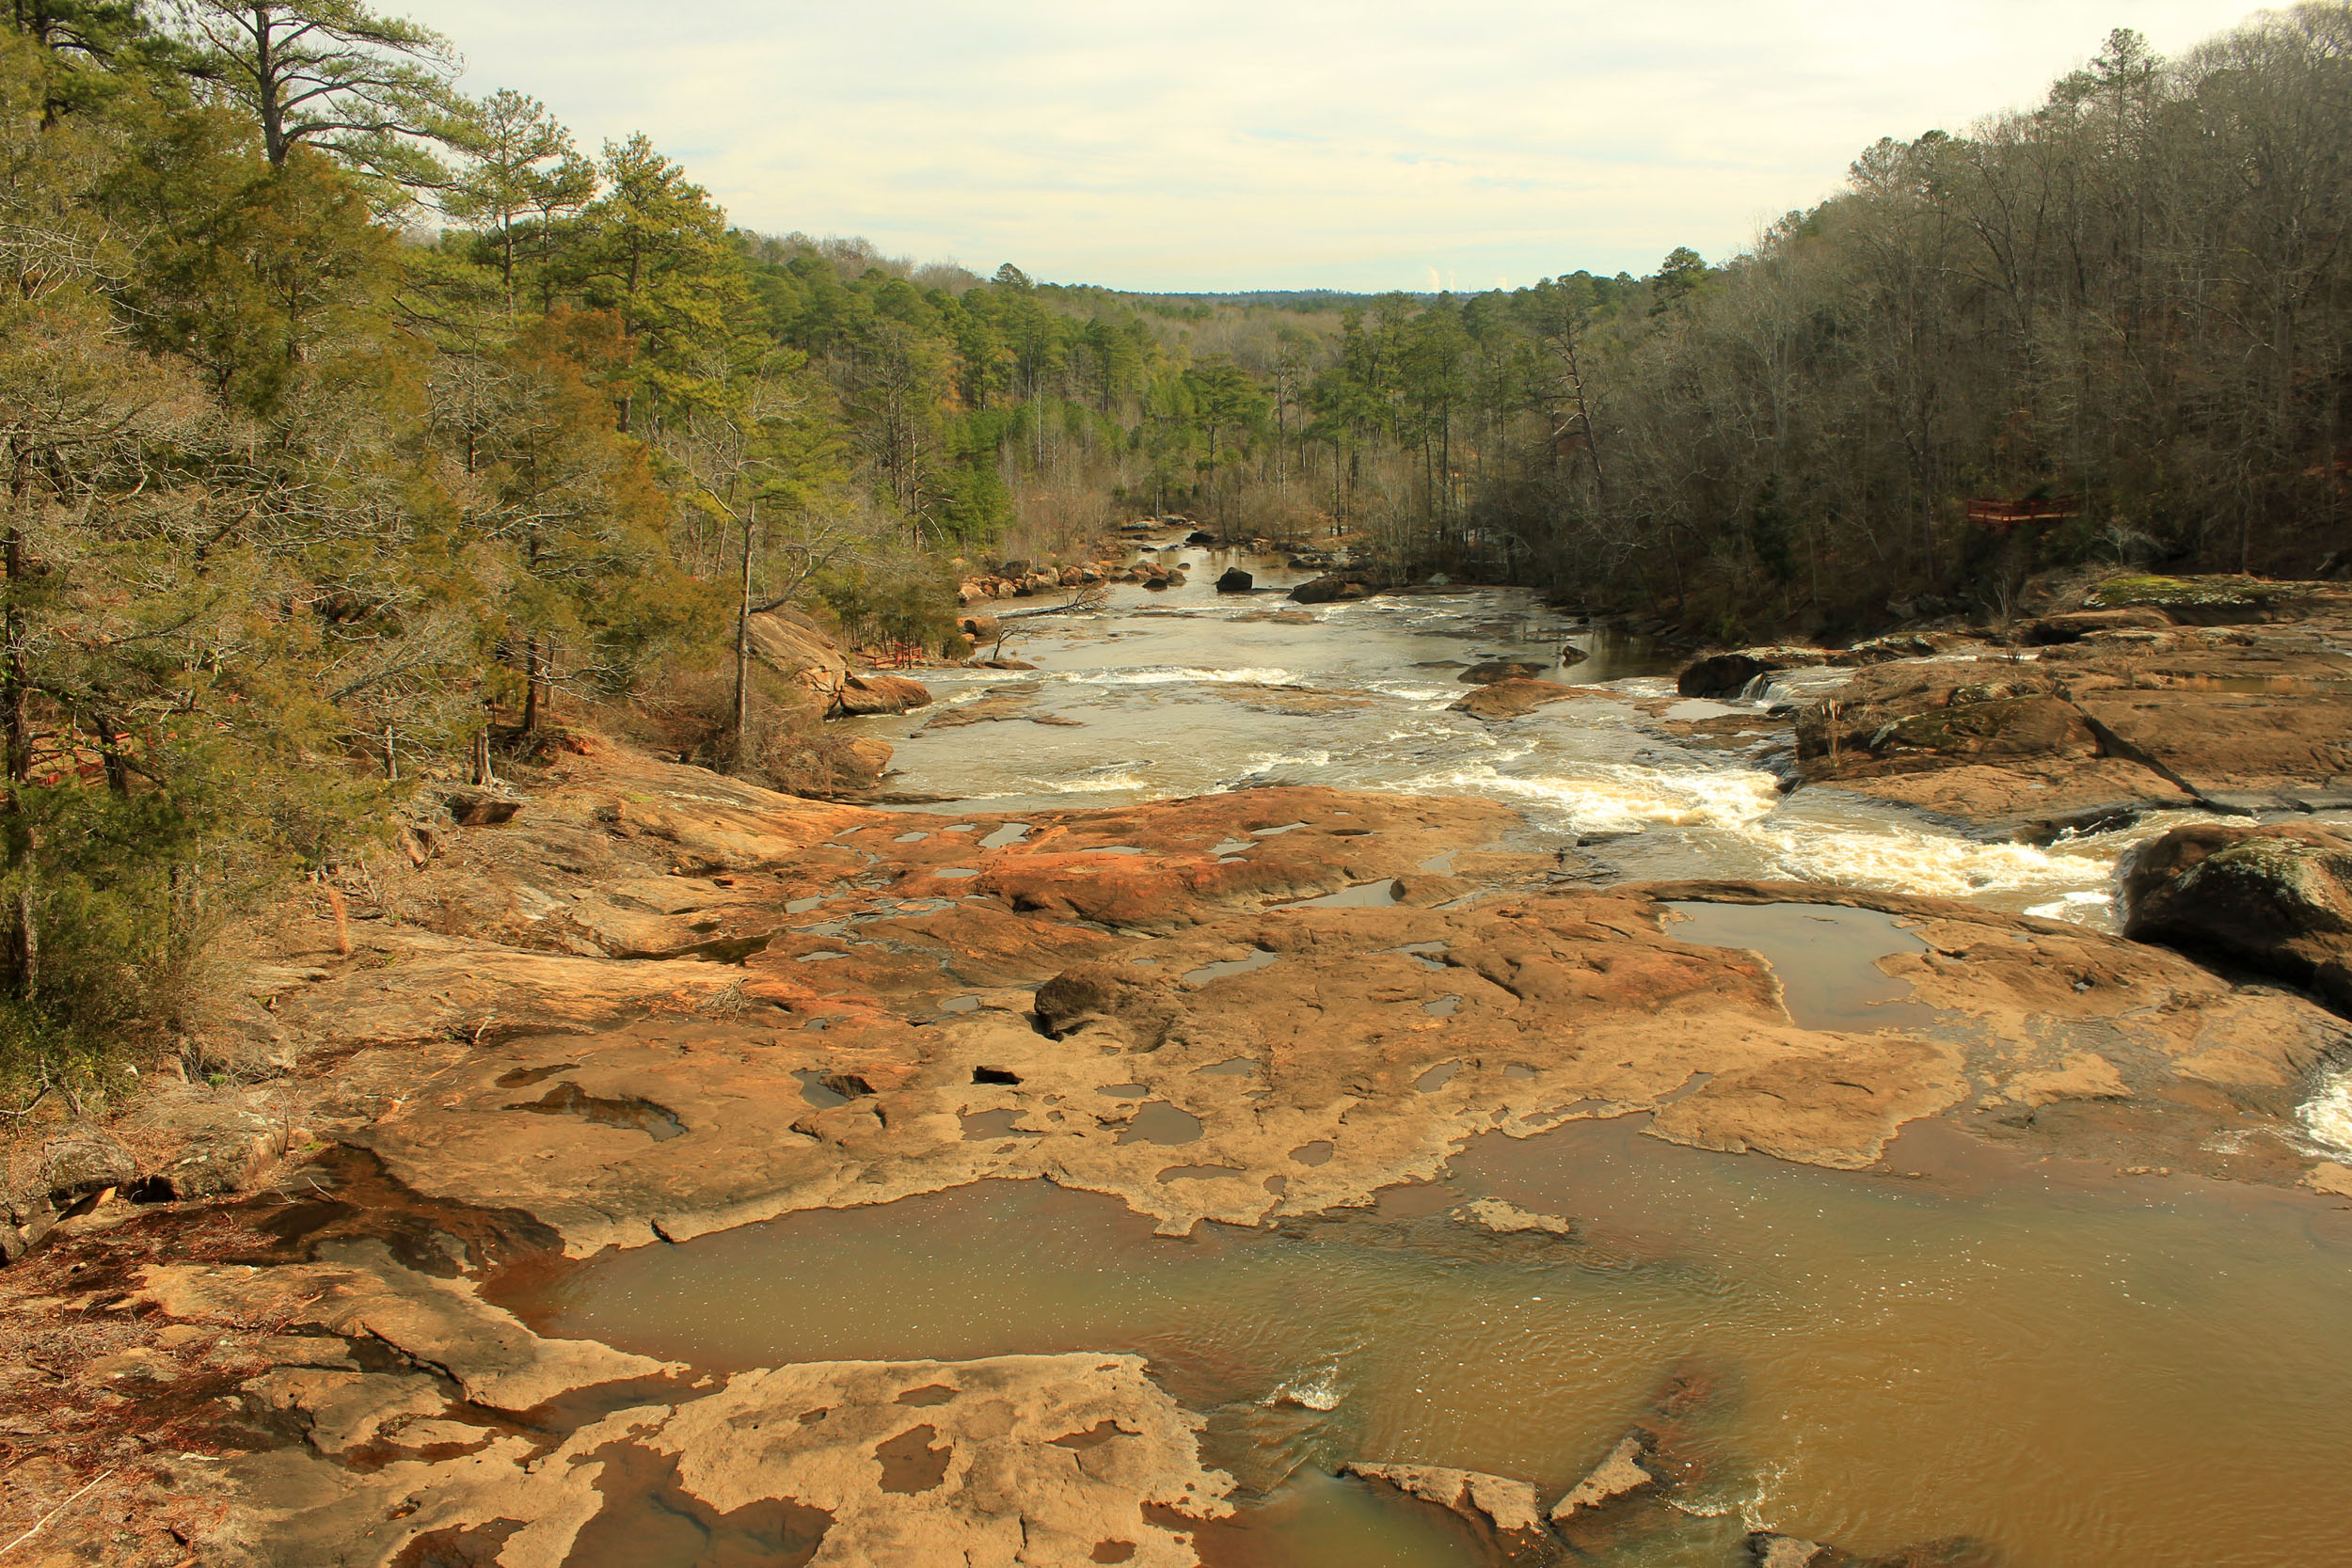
x=2276, y=897
x=1769, y=1551
x=1495, y=670
x=1515, y=698
x=1509, y=1219
x=1621, y=1472
x=1330, y=589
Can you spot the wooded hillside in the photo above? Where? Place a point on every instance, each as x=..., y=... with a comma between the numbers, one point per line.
x=352, y=426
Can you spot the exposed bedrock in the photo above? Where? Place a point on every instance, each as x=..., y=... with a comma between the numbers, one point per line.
x=462, y=1448
x=1289, y=1061
x=2097, y=730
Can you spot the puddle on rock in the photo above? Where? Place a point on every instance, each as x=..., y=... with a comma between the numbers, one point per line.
x=1259, y=959
x=569, y=1100
x=1826, y=957
x=1158, y=1122
x=2057, y=1366
x=996, y=1124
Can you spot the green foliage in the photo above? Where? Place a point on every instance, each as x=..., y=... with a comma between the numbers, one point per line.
x=334, y=75
x=903, y=602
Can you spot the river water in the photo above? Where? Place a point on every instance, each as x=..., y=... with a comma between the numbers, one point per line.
x=1187, y=691
x=2065, y=1372
x=2037, y=1366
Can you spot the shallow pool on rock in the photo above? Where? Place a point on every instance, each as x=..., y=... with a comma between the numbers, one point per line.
x=2072, y=1370
x=1824, y=955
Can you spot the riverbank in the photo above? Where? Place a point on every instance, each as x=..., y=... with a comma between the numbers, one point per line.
x=652, y=1011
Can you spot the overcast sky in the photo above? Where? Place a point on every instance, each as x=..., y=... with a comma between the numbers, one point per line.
x=1225, y=144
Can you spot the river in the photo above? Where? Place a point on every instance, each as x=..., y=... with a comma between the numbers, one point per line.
x=1188, y=691
x=2029, y=1365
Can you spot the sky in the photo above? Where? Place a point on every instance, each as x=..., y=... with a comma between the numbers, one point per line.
x=1239, y=144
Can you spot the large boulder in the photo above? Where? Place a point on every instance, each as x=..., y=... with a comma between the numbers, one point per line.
x=223, y=1148
x=80, y=1164
x=83, y=1160
x=1235, y=581
x=863, y=695
x=1951, y=710
x=2276, y=897
x=1331, y=589
x=1728, y=675
x=790, y=644
x=862, y=762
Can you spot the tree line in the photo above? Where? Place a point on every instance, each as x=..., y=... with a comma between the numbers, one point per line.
x=2126, y=312
x=352, y=427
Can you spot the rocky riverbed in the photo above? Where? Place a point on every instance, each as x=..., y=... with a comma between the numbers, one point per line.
x=628, y=1009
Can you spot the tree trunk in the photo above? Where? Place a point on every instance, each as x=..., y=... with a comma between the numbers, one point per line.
x=531, y=687
x=743, y=636
x=20, y=953
x=110, y=755
x=266, y=86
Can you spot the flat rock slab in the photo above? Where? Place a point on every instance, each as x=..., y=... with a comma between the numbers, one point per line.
x=494, y=1360
x=1385, y=1037
x=2236, y=748
x=2033, y=800
x=1000, y=1462
x=1497, y=1502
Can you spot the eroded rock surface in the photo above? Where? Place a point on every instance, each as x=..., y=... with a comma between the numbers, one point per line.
x=1047, y=1460
x=1495, y=1502
x=2113, y=724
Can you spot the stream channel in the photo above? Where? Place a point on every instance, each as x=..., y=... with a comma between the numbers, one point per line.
x=2033, y=1366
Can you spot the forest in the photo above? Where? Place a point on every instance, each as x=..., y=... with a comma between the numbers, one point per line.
x=359, y=431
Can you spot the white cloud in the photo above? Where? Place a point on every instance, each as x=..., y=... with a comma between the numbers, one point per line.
x=1341, y=143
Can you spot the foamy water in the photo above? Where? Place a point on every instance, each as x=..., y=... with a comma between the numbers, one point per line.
x=2328, y=1113
x=1619, y=797
x=1147, y=688
x=1177, y=675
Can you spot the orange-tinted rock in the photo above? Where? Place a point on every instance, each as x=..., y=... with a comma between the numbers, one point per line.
x=1516, y=697
x=860, y=695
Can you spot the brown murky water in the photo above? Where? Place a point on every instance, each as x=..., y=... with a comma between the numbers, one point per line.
x=2076, y=1372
